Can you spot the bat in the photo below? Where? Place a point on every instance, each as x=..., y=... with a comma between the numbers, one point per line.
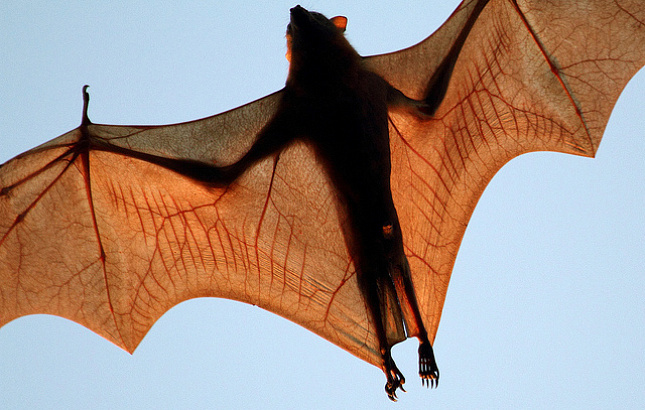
x=281, y=160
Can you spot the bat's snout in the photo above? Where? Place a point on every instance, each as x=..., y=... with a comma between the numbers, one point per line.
x=297, y=14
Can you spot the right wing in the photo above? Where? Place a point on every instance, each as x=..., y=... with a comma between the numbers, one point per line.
x=502, y=78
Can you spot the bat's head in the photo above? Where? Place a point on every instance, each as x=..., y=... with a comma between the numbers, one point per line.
x=312, y=38
x=304, y=21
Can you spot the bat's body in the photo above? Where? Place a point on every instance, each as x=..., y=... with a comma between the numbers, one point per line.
x=342, y=110
x=289, y=202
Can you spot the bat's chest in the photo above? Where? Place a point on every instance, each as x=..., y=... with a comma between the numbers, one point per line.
x=347, y=124
x=357, y=159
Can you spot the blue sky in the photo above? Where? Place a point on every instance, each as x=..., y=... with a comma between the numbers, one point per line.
x=546, y=306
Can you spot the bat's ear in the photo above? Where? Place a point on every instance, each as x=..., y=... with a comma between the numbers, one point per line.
x=340, y=22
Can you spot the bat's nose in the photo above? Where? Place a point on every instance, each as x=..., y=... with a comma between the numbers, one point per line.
x=297, y=12
x=298, y=15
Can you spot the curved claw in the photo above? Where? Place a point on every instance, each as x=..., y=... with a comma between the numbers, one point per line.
x=392, y=385
x=395, y=379
x=391, y=392
x=428, y=370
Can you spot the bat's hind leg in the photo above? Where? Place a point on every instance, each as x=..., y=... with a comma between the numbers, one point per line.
x=371, y=285
x=395, y=379
x=428, y=370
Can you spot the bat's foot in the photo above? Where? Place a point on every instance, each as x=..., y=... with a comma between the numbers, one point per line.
x=395, y=379
x=428, y=369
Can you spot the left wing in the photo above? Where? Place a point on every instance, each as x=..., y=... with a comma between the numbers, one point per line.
x=98, y=233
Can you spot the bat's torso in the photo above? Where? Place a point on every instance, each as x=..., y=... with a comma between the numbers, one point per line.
x=349, y=133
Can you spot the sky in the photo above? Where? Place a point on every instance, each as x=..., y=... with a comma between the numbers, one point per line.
x=546, y=305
